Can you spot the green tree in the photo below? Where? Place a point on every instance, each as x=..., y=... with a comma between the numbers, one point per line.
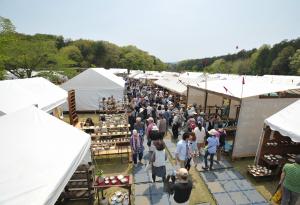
x=22, y=54
x=258, y=60
x=219, y=66
x=280, y=65
x=71, y=53
x=6, y=26
x=295, y=63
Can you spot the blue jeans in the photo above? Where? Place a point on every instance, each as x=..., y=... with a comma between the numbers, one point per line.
x=289, y=197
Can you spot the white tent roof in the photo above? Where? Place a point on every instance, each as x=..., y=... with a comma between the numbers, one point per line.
x=118, y=70
x=172, y=84
x=39, y=157
x=92, y=85
x=177, y=84
x=95, y=78
x=191, y=74
x=286, y=121
x=19, y=93
x=283, y=79
x=253, y=86
x=14, y=97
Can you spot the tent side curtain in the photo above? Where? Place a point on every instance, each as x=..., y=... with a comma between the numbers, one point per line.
x=286, y=121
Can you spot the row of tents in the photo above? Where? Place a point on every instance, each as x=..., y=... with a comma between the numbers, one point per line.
x=39, y=152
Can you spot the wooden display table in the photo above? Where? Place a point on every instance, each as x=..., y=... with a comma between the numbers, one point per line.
x=102, y=186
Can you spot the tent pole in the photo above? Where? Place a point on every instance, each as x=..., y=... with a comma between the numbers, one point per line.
x=258, y=151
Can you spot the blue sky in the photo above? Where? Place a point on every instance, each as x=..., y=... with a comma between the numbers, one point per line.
x=172, y=30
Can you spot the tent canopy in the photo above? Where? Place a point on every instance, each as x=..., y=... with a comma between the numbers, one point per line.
x=286, y=121
x=253, y=86
x=92, y=85
x=172, y=84
x=39, y=157
x=19, y=93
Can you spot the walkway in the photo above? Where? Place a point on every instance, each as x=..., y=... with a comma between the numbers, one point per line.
x=227, y=186
x=146, y=192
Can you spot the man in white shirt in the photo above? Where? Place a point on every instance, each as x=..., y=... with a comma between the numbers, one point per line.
x=182, y=150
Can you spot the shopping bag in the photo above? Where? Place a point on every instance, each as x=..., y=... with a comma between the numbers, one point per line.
x=276, y=198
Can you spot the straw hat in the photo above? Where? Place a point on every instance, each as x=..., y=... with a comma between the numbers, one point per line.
x=213, y=132
x=150, y=119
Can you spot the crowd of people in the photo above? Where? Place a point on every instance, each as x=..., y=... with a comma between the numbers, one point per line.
x=152, y=113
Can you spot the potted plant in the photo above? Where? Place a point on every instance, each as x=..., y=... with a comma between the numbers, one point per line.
x=99, y=175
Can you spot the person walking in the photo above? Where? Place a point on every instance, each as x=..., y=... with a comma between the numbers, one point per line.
x=290, y=182
x=139, y=126
x=200, y=135
x=175, y=125
x=158, y=160
x=182, y=150
x=181, y=187
x=137, y=148
x=211, y=148
x=162, y=125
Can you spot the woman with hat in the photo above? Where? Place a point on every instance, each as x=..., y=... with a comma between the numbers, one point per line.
x=211, y=148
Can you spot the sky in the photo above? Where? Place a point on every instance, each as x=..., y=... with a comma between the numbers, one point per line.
x=172, y=30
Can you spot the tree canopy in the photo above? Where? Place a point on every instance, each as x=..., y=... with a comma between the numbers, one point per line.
x=279, y=59
x=21, y=54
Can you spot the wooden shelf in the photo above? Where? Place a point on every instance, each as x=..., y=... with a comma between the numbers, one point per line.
x=72, y=108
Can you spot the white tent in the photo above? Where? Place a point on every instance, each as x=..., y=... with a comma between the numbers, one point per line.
x=19, y=93
x=253, y=86
x=172, y=84
x=251, y=103
x=92, y=85
x=286, y=121
x=38, y=154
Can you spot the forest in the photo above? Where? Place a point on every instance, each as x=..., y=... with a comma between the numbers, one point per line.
x=22, y=54
x=280, y=59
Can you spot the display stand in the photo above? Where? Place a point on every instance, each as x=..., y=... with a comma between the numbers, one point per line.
x=72, y=108
x=277, y=150
x=80, y=186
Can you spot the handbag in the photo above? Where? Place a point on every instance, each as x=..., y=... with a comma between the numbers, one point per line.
x=276, y=198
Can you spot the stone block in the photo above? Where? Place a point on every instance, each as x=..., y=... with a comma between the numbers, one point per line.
x=141, y=178
x=160, y=199
x=223, y=199
x=156, y=188
x=215, y=187
x=142, y=189
x=243, y=184
x=143, y=200
x=208, y=176
x=254, y=196
x=221, y=175
x=239, y=198
x=229, y=186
